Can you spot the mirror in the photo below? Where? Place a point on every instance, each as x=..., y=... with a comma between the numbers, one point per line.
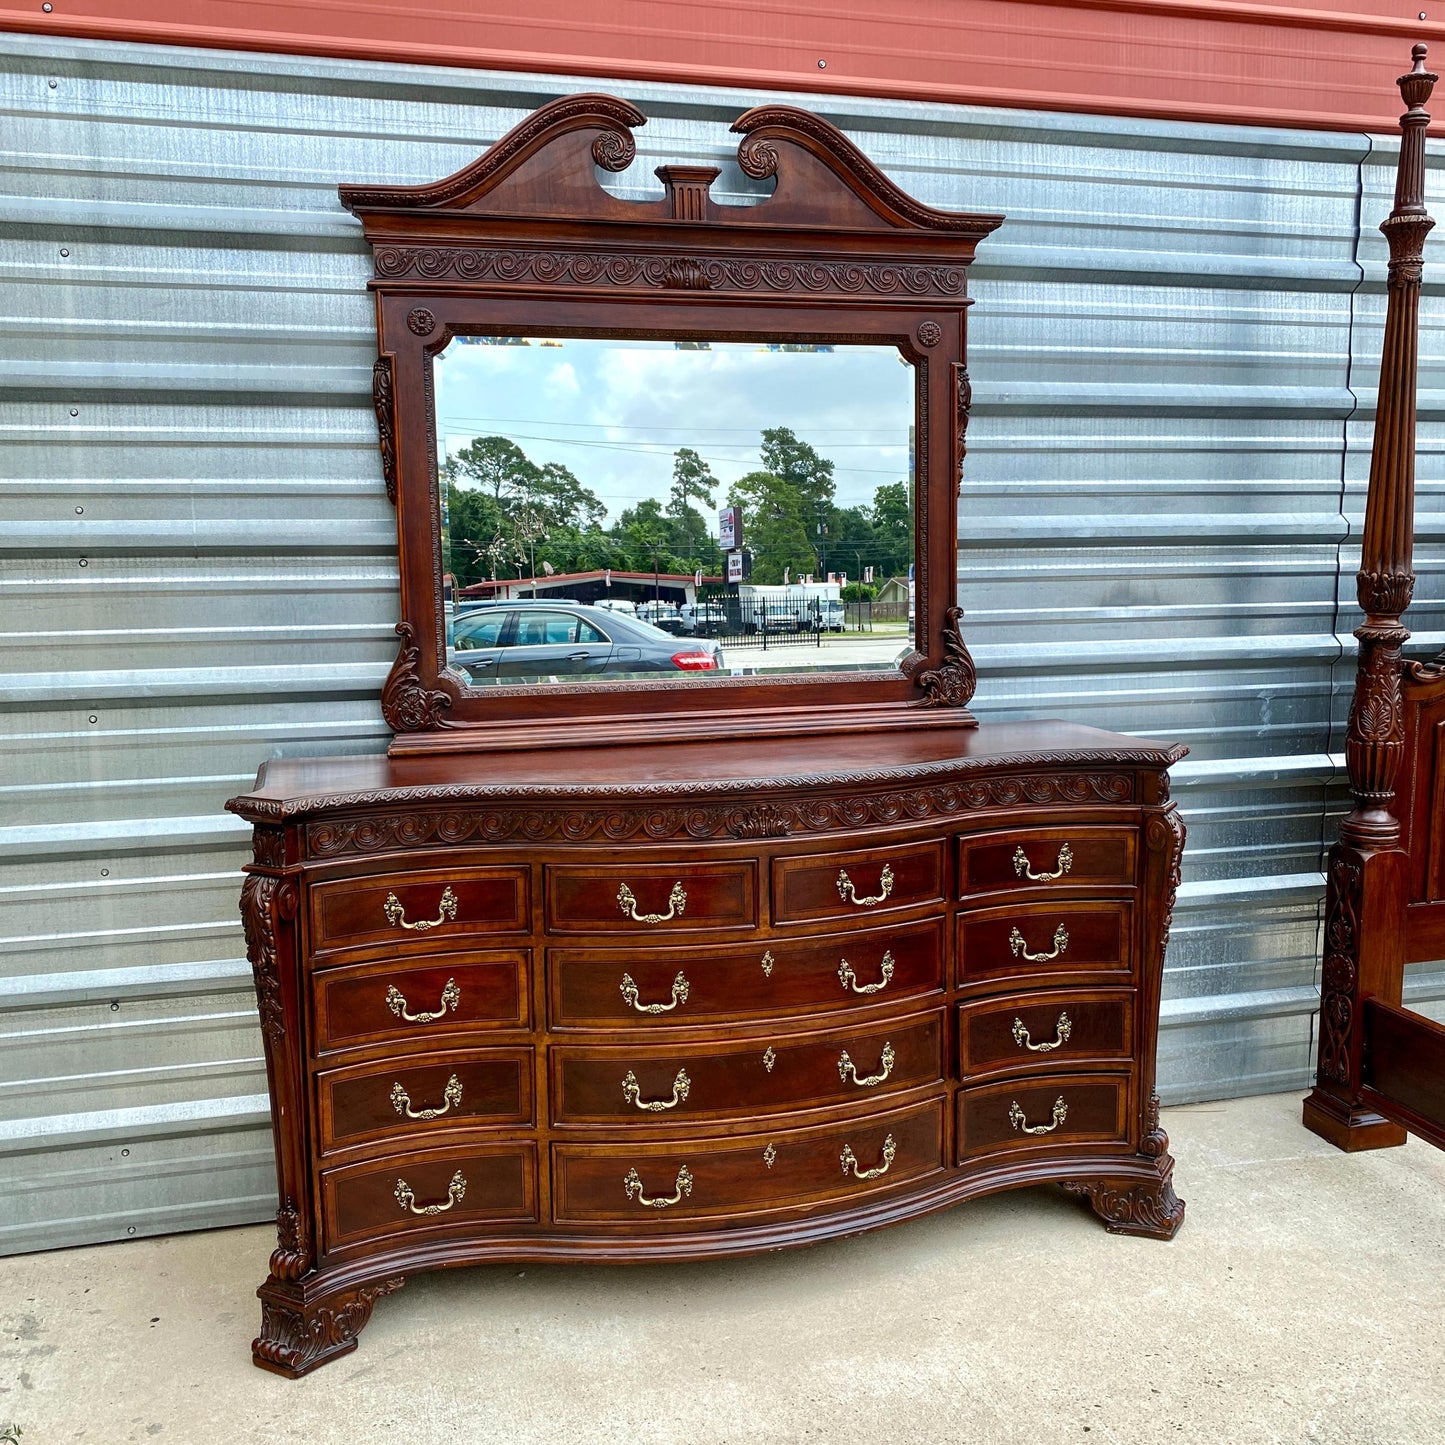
x=622, y=509
x=575, y=387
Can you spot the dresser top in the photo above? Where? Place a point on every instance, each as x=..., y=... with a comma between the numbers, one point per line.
x=297, y=787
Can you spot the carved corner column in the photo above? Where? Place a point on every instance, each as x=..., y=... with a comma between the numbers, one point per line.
x=1366, y=882
x=303, y=1323
x=1142, y=1201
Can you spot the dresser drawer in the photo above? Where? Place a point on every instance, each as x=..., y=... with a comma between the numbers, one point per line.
x=723, y=1181
x=617, y=988
x=1045, y=1028
x=416, y=1195
x=857, y=885
x=439, y=905
x=652, y=1085
x=1043, y=1114
x=1039, y=859
x=1038, y=940
x=652, y=900
x=371, y=1002
x=424, y=1094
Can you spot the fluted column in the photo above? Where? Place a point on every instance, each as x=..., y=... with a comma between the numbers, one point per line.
x=1365, y=898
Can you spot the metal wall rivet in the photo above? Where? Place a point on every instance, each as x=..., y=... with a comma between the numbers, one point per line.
x=65, y=250
x=85, y=561
x=93, y=718
x=75, y=411
x=80, y=511
x=47, y=8
x=125, y=1153
x=105, y=873
x=130, y=1228
x=822, y=65
x=115, y=1005
x=54, y=84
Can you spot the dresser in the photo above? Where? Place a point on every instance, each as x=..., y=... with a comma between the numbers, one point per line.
x=626, y=1003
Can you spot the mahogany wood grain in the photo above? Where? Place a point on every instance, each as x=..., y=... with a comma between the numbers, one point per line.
x=839, y=885
x=1098, y=941
x=489, y=1086
x=765, y=1074
x=360, y=1200
x=351, y=912
x=1097, y=1113
x=1406, y=1054
x=1099, y=1022
x=1098, y=857
x=356, y=1005
x=733, y=1181
x=585, y=899
x=728, y=984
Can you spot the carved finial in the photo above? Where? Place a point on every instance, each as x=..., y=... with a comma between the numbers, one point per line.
x=1415, y=87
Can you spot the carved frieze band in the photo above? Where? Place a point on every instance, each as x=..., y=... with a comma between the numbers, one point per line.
x=700, y=273
x=552, y=823
x=1340, y=972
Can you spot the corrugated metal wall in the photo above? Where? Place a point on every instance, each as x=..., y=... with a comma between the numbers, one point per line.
x=1172, y=354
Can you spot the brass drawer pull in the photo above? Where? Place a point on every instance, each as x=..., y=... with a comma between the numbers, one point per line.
x=1020, y=947
x=846, y=1070
x=1024, y=869
x=1016, y=1117
x=1062, y=1030
x=396, y=914
x=849, y=894
x=850, y=1162
x=401, y=1102
x=679, y=995
x=849, y=979
x=456, y=1190
x=396, y=1002
x=676, y=902
x=633, y=1185
x=681, y=1088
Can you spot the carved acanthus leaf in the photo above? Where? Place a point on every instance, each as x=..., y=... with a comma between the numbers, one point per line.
x=383, y=397
x=295, y=1338
x=954, y=682
x=258, y=923
x=407, y=706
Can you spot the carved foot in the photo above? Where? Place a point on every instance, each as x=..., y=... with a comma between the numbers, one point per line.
x=297, y=1335
x=1147, y=1207
x=1349, y=1129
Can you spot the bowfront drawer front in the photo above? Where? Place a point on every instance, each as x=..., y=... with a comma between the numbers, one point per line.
x=1054, y=1028
x=683, y=1083
x=444, y=904
x=615, y=988
x=423, y=1095
x=1043, y=1114
x=652, y=900
x=372, y=1002
x=722, y=1181
x=857, y=885
x=1037, y=940
x=416, y=1195
x=1036, y=860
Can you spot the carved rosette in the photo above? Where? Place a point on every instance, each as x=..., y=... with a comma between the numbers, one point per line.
x=407, y=706
x=383, y=397
x=1340, y=972
x=295, y=1338
x=1148, y=1207
x=953, y=684
x=258, y=922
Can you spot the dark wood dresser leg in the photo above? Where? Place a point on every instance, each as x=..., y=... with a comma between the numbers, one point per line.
x=1141, y=1201
x=298, y=1334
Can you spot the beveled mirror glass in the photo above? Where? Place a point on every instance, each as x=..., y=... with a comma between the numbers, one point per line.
x=631, y=509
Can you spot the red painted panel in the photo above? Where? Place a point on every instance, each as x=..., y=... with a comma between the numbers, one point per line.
x=1330, y=65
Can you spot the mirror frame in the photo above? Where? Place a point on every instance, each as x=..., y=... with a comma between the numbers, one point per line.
x=525, y=241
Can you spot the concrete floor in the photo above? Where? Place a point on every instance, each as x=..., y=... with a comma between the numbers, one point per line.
x=1304, y=1300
